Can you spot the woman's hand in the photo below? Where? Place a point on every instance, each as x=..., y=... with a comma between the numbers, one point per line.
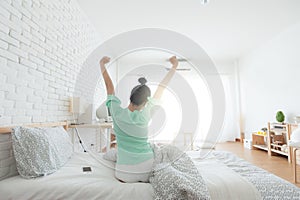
x=173, y=60
x=164, y=83
x=108, y=82
x=104, y=60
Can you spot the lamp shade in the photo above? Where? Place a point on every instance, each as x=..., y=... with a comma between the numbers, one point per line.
x=102, y=112
x=78, y=105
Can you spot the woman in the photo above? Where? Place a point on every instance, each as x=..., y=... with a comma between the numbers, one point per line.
x=135, y=155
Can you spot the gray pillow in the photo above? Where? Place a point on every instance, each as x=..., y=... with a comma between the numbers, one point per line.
x=40, y=151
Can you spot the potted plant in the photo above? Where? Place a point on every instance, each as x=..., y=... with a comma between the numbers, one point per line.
x=280, y=116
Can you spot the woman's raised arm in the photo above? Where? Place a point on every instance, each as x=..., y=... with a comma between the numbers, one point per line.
x=108, y=82
x=164, y=83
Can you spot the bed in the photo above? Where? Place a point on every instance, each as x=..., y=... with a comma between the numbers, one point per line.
x=225, y=175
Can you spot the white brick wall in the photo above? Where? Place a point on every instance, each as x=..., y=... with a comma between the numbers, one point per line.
x=43, y=44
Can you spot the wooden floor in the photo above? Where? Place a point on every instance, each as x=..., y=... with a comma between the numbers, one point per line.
x=277, y=165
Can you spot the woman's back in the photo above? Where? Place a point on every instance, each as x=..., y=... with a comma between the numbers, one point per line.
x=131, y=130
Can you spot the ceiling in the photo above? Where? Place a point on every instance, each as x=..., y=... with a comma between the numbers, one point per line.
x=226, y=29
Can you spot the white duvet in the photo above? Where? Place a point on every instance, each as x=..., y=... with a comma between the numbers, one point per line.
x=71, y=183
x=222, y=182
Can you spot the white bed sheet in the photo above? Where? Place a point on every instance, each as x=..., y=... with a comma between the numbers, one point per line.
x=71, y=183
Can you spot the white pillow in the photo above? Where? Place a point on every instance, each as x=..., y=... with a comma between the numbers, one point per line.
x=111, y=155
x=40, y=151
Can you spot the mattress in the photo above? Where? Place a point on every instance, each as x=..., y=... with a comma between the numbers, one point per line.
x=226, y=176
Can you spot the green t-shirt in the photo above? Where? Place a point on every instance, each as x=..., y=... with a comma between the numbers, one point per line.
x=131, y=130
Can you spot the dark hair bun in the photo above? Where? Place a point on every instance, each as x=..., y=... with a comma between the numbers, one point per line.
x=142, y=80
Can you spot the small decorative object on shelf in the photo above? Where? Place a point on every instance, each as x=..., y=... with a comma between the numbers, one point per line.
x=280, y=116
x=264, y=133
x=264, y=129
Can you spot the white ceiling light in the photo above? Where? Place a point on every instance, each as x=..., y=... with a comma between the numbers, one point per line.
x=180, y=67
x=204, y=2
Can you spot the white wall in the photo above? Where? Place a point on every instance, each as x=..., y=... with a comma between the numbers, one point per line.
x=43, y=44
x=270, y=81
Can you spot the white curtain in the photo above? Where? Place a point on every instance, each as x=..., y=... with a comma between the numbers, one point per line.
x=231, y=122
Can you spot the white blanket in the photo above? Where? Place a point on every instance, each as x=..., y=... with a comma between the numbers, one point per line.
x=269, y=185
x=175, y=176
x=224, y=183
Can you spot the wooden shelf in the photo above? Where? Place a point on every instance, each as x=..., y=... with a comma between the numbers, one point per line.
x=258, y=142
x=278, y=130
x=284, y=130
x=276, y=145
x=265, y=142
x=279, y=152
x=278, y=124
x=261, y=146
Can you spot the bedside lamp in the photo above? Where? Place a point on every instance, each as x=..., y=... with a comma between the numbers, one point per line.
x=77, y=106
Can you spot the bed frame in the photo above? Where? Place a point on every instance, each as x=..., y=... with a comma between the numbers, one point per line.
x=8, y=129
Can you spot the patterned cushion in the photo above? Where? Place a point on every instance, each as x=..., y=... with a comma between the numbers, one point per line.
x=40, y=151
